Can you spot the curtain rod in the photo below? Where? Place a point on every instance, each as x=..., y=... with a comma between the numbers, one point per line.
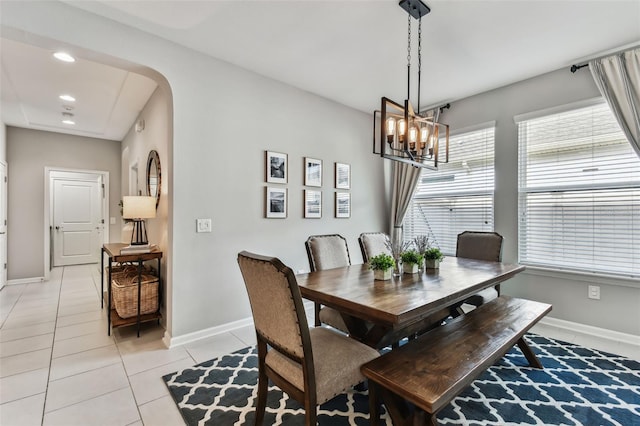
x=576, y=67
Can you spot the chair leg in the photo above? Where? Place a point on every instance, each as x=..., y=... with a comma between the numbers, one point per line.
x=311, y=416
x=317, y=314
x=374, y=406
x=263, y=384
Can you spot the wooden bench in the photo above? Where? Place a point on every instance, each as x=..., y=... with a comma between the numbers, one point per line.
x=433, y=369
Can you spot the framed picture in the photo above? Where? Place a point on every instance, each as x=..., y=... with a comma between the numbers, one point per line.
x=343, y=204
x=312, y=172
x=343, y=176
x=276, y=167
x=312, y=204
x=276, y=202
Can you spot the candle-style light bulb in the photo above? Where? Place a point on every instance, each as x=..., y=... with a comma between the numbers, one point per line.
x=402, y=129
x=391, y=130
x=424, y=137
x=413, y=137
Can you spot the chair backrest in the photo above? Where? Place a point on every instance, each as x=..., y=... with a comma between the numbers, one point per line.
x=480, y=245
x=373, y=244
x=276, y=304
x=327, y=252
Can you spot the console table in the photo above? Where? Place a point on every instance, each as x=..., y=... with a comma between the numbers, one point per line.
x=114, y=255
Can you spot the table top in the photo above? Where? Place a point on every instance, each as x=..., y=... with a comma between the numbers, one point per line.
x=113, y=251
x=404, y=299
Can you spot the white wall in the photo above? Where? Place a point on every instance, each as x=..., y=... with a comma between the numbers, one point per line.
x=157, y=135
x=3, y=142
x=618, y=307
x=28, y=153
x=224, y=118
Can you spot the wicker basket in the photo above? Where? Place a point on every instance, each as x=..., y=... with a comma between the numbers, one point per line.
x=124, y=291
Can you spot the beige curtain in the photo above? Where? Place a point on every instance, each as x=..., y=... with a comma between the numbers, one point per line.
x=404, y=182
x=618, y=79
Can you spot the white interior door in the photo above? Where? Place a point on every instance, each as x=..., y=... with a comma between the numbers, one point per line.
x=77, y=221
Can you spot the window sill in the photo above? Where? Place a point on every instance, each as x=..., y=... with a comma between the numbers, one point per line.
x=583, y=276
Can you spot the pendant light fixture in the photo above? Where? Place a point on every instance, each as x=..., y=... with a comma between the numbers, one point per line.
x=402, y=133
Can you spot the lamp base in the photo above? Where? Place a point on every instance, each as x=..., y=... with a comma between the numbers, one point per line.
x=139, y=234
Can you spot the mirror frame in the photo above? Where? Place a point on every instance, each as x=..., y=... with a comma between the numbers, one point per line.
x=153, y=156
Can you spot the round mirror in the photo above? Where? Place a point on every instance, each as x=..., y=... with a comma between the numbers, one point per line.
x=154, y=176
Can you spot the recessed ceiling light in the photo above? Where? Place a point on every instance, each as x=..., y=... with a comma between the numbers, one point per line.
x=68, y=122
x=65, y=57
x=67, y=98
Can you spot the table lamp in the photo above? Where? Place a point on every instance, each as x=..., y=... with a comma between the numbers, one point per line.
x=138, y=208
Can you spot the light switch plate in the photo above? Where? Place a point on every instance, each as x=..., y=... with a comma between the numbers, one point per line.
x=203, y=225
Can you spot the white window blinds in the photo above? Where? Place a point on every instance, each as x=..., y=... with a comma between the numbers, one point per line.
x=458, y=196
x=579, y=193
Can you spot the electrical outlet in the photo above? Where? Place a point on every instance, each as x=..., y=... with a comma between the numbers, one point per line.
x=594, y=292
x=203, y=225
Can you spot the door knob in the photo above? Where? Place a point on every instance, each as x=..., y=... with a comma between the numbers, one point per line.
x=57, y=228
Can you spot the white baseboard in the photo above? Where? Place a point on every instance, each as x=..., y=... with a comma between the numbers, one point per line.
x=171, y=342
x=25, y=280
x=602, y=333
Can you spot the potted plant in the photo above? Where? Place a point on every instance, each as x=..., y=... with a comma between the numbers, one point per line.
x=382, y=266
x=433, y=256
x=410, y=261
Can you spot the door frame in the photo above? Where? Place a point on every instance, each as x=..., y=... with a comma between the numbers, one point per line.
x=48, y=208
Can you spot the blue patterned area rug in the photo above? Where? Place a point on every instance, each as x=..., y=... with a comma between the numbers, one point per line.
x=578, y=386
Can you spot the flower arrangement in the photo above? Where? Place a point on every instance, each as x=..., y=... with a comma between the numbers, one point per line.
x=421, y=243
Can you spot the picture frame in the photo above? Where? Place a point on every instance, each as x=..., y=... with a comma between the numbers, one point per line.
x=312, y=172
x=312, y=204
x=343, y=204
x=343, y=176
x=276, y=167
x=275, y=202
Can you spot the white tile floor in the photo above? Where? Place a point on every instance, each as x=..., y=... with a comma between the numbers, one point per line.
x=59, y=367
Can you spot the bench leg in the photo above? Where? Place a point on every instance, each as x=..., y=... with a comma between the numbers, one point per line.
x=528, y=353
x=374, y=405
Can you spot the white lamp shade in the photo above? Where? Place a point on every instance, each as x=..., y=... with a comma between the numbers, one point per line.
x=138, y=207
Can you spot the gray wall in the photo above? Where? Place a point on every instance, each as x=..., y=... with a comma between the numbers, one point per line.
x=28, y=153
x=224, y=118
x=618, y=307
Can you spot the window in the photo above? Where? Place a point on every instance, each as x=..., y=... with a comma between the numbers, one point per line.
x=579, y=193
x=459, y=195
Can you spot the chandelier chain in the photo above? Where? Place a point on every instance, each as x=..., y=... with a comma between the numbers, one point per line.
x=419, y=60
x=408, y=55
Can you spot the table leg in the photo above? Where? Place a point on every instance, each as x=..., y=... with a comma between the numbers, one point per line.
x=102, y=278
x=139, y=293
x=529, y=354
x=109, y=298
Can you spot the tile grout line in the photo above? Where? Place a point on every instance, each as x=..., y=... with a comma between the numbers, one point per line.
x=46, y=391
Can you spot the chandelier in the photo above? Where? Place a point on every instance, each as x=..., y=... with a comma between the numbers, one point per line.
x=401, y=133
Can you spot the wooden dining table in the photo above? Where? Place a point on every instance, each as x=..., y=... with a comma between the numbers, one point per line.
x=380, y=313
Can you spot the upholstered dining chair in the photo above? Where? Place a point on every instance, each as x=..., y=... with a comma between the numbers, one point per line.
x=481, y=246
x=328, y=252
x=373, y=244
x=311, y=365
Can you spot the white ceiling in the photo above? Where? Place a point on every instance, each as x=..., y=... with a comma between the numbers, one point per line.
x=354, y=51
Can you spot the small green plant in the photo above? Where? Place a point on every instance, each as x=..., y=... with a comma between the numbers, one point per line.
x=381, y=262
x=433, y=253
x=412, y=257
